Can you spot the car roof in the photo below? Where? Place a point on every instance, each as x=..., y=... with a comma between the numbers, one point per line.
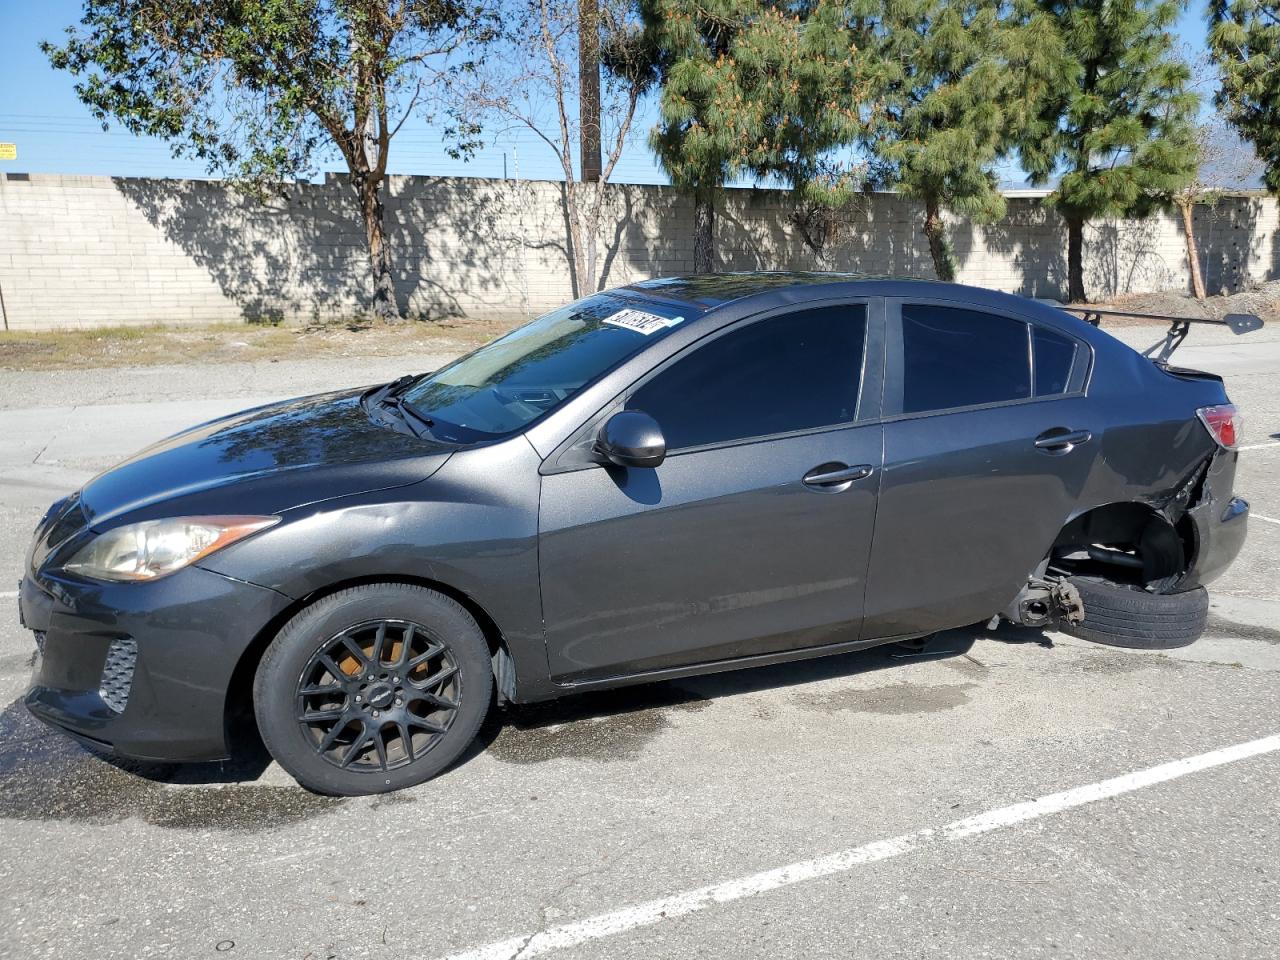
x=710, y=290
x=765, y=289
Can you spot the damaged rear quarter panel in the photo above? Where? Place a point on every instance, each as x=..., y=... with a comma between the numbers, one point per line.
x=1151, y=441
x=1216, y=522
x=1154, y=451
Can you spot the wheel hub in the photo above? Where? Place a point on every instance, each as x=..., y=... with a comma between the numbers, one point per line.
x=381, y=695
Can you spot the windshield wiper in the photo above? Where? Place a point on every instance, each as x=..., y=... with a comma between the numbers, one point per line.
x=407, y=411
x=389, y=397
x=400, y=384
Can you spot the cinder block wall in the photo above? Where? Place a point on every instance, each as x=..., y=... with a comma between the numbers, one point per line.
x=91, y=251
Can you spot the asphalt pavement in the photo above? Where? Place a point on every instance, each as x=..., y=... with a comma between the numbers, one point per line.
x=1013, y=793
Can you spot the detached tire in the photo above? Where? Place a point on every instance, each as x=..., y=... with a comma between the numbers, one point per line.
x=1126, y=616
x=372, y=689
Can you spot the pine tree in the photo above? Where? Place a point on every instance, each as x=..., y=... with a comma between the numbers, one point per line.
x=1117, y=124
x=752, y=87
x=944, y=124
x=1244, y=38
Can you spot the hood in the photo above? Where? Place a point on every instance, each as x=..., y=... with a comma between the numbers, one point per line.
x=263, y=461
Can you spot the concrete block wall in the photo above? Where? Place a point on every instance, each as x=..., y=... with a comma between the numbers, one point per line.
x=92, y=251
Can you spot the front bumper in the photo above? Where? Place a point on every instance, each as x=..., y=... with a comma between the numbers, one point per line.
x=142, y=668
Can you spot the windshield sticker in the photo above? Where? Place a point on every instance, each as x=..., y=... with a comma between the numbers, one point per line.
x=640, y=321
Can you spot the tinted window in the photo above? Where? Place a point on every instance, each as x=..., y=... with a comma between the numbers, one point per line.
x=1054, y=356
x=793, y=372
x=958, y=358
x=509, y=383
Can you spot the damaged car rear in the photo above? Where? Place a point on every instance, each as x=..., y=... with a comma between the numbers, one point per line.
x=681, y=476
x=1133, y=573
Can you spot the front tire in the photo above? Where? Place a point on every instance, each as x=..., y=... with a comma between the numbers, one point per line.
x=1119, y=615
x=373, y=689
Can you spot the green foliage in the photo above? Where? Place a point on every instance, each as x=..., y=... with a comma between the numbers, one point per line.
x=257, y=89
x=758, y=87
x=961, y=77
x=945, y=121
x=1117, y=122
x=1244, y=38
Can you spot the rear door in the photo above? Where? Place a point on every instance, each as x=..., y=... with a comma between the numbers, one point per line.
x=987, y=445
x=736, y=545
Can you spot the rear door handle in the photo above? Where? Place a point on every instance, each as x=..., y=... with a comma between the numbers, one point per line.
x=1062, y=440
x=832, y=476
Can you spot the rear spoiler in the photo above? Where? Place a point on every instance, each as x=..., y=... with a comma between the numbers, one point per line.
x=1162, y=350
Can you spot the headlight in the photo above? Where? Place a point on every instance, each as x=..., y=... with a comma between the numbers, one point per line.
x=154, y=548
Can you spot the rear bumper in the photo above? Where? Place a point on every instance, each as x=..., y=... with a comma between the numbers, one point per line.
x=1216, y=523
x=1219, y=530
x=142, y=668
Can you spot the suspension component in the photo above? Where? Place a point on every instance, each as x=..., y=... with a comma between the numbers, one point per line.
x=1042, y=602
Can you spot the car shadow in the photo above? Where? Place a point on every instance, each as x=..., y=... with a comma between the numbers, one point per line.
x=45, y=775
x=611, y=725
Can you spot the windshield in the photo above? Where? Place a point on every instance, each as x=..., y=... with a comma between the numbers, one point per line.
x=507, y=384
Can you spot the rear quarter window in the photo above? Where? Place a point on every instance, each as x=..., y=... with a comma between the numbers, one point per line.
x=1055, y=355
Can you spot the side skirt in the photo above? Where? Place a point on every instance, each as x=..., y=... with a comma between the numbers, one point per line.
x=723, y=666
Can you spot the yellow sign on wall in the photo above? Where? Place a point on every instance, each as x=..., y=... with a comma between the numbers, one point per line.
x=8, y=151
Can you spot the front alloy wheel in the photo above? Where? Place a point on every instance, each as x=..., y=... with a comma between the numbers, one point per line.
x=391, y=694
x=378, y=695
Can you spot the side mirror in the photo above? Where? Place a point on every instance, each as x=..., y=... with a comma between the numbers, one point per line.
x=631, y=439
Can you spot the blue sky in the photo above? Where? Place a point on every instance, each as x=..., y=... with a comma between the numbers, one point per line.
x=55, y=134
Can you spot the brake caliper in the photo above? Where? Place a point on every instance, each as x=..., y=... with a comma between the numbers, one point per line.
x=1044, y=601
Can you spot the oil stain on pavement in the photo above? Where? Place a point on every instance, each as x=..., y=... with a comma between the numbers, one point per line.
x=47, y=776
x=605, y=726
x=1118, y=663
x=893, y=698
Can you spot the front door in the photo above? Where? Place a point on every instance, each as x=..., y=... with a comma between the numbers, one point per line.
x=752, y=537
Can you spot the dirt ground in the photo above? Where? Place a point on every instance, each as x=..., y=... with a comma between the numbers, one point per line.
x=1264, y=300
x=221, y=343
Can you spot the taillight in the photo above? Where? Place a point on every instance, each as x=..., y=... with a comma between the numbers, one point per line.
x=1223, y=424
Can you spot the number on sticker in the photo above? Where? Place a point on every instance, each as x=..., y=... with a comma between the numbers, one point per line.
x=640, y=321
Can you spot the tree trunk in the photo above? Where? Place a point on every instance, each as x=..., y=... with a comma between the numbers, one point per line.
x=1187, y=209
x=1075, y=259
x=384, y=287
x=704, y=228
x=590, y=238
x=589, y=89
x=579, y=283
x=935, y=231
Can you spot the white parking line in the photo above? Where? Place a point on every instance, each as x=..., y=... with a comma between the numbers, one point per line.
x=1259, y=446
x=1258, y=516
x=692, y=901
x=7, y=594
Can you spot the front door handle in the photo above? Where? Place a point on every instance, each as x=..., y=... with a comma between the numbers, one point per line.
x=1062, y=440
x=836, y=476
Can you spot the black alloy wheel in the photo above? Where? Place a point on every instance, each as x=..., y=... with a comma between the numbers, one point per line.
x=373, y=688
x=378, y=695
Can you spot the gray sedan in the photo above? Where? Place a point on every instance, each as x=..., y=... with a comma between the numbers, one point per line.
x=680, y=476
